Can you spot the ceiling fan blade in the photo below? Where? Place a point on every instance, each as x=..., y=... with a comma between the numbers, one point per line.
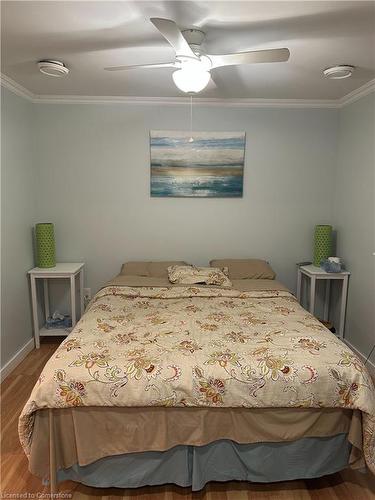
x=141, y=66
x=251, y=57
x=211, y=85
x=173, y=35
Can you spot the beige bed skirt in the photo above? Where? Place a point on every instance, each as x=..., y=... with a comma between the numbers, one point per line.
x=84, y=435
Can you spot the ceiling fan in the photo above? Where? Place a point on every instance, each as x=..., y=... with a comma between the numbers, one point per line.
x=192, y=65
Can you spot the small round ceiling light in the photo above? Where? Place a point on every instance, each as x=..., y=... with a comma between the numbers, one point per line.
x=339, y=72
x=53, y=68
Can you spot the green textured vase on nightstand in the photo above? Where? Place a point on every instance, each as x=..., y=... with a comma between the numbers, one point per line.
x=322, y=243
x=45, y=245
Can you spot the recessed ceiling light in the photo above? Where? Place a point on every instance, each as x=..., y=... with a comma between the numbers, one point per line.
x=339, y=72
x=52, y=68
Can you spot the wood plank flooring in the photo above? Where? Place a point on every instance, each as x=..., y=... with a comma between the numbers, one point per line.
x=16, y=480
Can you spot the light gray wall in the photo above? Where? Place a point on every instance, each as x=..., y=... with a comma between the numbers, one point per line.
x=17, y=219
x=93, y=180
x=90, y=176
x=354, y=216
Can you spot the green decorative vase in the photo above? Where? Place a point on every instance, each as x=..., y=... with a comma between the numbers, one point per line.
x=45, y=245
x=322, y=243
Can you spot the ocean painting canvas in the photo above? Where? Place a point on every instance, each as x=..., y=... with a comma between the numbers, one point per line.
x=211, y=165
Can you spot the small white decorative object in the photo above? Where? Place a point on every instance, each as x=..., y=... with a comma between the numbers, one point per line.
x=336, y=260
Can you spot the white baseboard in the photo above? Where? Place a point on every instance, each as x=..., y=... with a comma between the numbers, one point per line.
x=369, y=365
x=16, y=359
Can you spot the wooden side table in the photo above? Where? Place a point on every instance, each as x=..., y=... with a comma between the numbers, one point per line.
x=62, y=270
x=316, y=273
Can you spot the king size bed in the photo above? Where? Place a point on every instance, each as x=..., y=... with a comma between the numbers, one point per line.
x=189, y=383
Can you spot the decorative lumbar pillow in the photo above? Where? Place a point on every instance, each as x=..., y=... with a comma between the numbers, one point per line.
x=190, y=275
x=245, y=268
x=152, y=269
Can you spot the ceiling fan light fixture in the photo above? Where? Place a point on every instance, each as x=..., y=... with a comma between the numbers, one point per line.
x=339, y=72
x=191, y=81
x=53, y=68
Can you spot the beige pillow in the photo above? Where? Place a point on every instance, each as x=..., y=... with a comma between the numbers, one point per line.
x=245, y=268
x=135, y=269
x=149, y=268
x=160, y=269
x=190, y=275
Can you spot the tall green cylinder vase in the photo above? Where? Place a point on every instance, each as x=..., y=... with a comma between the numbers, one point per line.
x=322, y=243
x=45, y=245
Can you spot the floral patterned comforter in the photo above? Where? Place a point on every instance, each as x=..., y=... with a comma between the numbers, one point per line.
x=194, y=347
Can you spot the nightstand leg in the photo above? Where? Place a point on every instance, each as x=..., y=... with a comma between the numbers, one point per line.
x=73, y=299
x=344, y=295
x=299, y=282
x=312, y=294
x=326, y=300
x=35, y=312
x=82, y=303
x=46, y=298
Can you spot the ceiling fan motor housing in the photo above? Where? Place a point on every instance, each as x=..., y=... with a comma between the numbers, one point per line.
x=194, y=36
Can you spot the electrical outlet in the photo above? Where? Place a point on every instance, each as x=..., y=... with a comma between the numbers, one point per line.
x=87, y=294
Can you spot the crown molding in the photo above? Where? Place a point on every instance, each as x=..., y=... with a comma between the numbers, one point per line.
x=356, y=94
x=353, y=96
x=15, y=87
x=178, y=101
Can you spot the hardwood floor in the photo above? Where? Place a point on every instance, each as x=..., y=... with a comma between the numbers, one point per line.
x=16, y=480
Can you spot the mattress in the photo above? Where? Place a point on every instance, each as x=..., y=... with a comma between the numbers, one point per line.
x=146, y=347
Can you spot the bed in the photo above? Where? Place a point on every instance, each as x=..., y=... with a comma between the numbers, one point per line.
x=162, y=383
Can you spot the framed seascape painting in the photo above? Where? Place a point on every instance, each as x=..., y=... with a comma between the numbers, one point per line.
x=198, y=164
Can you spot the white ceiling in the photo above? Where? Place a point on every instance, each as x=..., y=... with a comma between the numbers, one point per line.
x=90, y=35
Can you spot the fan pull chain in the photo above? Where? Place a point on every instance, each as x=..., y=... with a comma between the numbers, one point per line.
x=191, y=119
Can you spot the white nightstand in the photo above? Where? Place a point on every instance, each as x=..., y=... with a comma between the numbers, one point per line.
x=63, y=270
x=316, y=273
